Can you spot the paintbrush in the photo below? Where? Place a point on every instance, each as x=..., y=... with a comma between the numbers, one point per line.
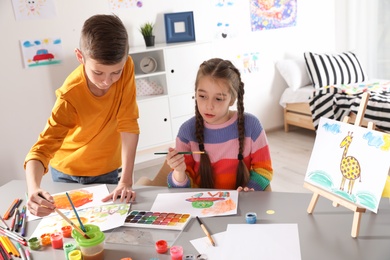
x=193, y=152
x=75, y=212
x=67, y=219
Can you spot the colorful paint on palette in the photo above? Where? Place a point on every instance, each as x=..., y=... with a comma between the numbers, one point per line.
x=160, y=220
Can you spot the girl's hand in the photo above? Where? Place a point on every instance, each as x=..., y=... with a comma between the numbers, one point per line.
x=245, y=189
x=176, y=161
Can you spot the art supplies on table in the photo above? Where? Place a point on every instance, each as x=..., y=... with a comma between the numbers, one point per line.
x=75, y=212
x=198, y=203
x=85, y=197
x=206, y=231
x=106, y=217
x=13, y=235
x=157, y=220
x=15, y=221
x=11, y=209
x=3, y=223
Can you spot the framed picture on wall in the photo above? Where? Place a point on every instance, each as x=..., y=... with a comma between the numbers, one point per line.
x=179, y=27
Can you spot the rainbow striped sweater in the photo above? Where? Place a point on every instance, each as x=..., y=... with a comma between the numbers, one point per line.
x=221, y=144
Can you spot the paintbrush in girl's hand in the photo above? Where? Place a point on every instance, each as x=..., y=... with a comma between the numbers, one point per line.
x=193, y=152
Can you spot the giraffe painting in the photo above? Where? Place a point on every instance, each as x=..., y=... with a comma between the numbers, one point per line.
x=349, y=165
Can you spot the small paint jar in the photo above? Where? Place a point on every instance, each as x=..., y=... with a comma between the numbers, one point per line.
x=176, y=252
x=161, y=246
x=69, y=247
x=75, y=255
x=66, y=231
x=34, y=243
x=45, y=239
x=56, y=240
x=251, y=217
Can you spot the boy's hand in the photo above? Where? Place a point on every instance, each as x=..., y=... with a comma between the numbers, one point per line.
x=122, y=191
x=40, y=203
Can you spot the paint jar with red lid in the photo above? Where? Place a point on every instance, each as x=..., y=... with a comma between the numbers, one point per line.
x=66, y=231
x=161, y=246
x=56, y=240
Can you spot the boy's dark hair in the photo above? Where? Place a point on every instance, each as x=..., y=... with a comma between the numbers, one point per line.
x=104, y=38
x=225, y=71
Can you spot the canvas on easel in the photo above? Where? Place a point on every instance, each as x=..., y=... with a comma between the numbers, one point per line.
x=349, y=166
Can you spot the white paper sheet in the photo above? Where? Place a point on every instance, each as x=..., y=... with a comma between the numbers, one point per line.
x=253, y=242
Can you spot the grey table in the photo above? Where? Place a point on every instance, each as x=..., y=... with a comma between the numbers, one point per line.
x=326, y=234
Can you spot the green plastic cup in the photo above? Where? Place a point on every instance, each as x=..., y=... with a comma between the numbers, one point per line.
x=92, y=248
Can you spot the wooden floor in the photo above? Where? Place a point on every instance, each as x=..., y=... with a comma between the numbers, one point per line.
x=290, y=153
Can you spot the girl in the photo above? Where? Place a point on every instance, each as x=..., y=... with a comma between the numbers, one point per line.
x=234, y=146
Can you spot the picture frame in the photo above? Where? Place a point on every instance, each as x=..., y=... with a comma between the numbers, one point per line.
x=179, y=27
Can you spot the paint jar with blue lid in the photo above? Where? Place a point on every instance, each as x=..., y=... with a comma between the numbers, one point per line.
x=251, y=217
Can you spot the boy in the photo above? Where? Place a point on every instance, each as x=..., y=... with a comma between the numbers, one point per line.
x=93, y=128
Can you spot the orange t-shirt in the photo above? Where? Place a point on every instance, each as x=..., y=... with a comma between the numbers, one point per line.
x=82, y=135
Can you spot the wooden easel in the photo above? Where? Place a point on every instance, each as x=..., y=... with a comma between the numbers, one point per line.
x=338, y=200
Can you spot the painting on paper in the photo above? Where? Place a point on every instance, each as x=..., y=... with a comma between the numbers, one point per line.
x=201, y=203
x=106, y=217
x=272, y=14
x=41, y=52
x=224, y=14
x=81, y=198
x=351, y=162
x=33, y=10
x=248, y=62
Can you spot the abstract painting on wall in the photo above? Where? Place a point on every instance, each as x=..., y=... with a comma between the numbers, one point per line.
x=351, y=162
x=41, y=52
x=272, y=14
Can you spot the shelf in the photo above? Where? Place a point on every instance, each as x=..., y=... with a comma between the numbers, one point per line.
x=140, y=76
x=140, y=98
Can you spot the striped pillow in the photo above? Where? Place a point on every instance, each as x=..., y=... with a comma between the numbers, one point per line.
x=333, y=69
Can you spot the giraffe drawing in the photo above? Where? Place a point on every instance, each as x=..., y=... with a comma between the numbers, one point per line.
x=349, y=165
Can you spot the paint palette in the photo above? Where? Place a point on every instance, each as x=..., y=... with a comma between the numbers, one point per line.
x=160, y=220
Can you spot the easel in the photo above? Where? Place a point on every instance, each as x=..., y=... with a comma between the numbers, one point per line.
x=338, y=200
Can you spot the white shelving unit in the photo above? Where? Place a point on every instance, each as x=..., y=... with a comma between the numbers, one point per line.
x=162, y=115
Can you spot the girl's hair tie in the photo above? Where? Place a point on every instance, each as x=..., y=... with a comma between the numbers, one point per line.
x=240, y=157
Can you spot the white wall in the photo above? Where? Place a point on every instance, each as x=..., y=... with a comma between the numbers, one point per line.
x=27, y=95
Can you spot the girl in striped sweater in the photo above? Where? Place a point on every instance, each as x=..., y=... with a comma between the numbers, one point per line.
x=236, y=153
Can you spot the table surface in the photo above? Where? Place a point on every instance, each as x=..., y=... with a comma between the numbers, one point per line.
x=325, y=234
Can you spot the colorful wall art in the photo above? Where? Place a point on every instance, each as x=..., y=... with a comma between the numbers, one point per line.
x=116, y=5
x=351, y=162
x=41, y=52
x=272, y=14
